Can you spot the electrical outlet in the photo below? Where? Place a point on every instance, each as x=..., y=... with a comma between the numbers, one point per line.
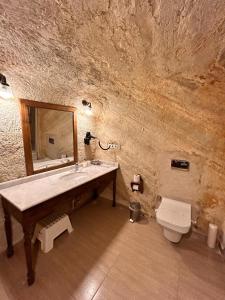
x=114, y=146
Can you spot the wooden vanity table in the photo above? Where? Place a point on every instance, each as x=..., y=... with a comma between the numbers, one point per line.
x=22, y=202
x=50, y=138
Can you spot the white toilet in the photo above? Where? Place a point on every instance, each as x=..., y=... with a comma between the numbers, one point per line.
x=175, y=217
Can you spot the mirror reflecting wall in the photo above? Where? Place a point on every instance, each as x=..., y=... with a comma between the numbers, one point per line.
x=50, y=135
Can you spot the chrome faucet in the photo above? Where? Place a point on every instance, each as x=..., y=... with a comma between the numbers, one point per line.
x=76, y=167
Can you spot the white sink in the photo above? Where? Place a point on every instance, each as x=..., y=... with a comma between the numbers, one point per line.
x=73, y=175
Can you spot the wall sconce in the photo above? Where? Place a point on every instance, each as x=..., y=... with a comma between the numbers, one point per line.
x=5, y=90
x=87, y=106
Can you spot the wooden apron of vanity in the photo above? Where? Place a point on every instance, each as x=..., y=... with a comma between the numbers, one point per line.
x=29, y=217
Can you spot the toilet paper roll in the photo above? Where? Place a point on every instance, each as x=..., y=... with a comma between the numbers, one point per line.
x=212, y=235
x=137, y=178
x=135, y=187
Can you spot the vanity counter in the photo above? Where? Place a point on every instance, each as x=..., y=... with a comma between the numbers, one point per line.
x=39, y=188
x=32, y=198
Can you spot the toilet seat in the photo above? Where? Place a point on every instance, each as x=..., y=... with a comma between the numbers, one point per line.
x=175, y=215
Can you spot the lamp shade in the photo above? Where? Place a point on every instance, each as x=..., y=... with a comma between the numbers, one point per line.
x=87, y=107
x=88, y=110
x=5, y=91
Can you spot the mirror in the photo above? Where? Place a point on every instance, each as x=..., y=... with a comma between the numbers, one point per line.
x=51, y=137
x=49, y=134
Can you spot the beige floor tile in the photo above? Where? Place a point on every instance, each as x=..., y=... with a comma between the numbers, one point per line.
x=202, y=271
x=107, y=257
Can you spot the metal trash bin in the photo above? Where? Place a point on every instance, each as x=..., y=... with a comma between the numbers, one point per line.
x=135, y=211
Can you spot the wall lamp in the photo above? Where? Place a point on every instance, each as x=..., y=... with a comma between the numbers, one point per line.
x=86, y=103
x=87, y=106
x=5, y=90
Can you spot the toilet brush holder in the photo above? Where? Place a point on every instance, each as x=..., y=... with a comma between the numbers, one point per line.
x=135, y=211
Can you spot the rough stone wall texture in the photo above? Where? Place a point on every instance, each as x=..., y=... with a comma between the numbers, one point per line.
x=154, y=71
x=12, y=163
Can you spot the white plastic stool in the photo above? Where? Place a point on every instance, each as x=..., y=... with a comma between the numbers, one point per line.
x=49, y=228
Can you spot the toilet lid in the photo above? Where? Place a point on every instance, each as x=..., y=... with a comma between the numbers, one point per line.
x=174, y=214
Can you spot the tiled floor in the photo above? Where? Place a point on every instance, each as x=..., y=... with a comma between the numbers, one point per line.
x=106, y=257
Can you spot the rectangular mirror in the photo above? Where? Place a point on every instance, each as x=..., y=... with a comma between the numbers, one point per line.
x=49, y=135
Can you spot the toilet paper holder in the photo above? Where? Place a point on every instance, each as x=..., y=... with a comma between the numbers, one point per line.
x=137, y=186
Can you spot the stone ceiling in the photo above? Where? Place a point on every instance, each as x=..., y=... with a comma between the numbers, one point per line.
x=70, y=48
x=166, y=54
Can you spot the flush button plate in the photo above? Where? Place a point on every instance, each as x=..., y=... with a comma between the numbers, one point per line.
x=51, y=140
x=183, y=165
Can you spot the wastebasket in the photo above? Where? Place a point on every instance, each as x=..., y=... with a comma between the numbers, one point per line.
x=135, y=211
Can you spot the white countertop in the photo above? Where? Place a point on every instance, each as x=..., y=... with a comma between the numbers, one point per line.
x=27, y=192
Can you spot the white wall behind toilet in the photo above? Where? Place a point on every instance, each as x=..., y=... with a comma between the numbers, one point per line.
x=178, y=184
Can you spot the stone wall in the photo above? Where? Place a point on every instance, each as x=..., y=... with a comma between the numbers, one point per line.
x=150, y=137
x=154, y=71
x=12, y=163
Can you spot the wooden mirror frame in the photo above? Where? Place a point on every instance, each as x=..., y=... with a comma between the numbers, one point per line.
x=24, y=112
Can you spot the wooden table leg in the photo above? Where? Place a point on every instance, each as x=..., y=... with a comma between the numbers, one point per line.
x=8, y=231
x=95, y=194
x=28, y=233
x=114, y=191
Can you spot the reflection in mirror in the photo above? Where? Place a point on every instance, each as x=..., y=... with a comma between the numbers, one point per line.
x=51, y=134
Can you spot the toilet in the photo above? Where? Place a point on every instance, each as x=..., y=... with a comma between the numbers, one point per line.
x=175, y=217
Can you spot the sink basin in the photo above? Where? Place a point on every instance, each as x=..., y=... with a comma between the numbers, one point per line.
x=73, y=175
